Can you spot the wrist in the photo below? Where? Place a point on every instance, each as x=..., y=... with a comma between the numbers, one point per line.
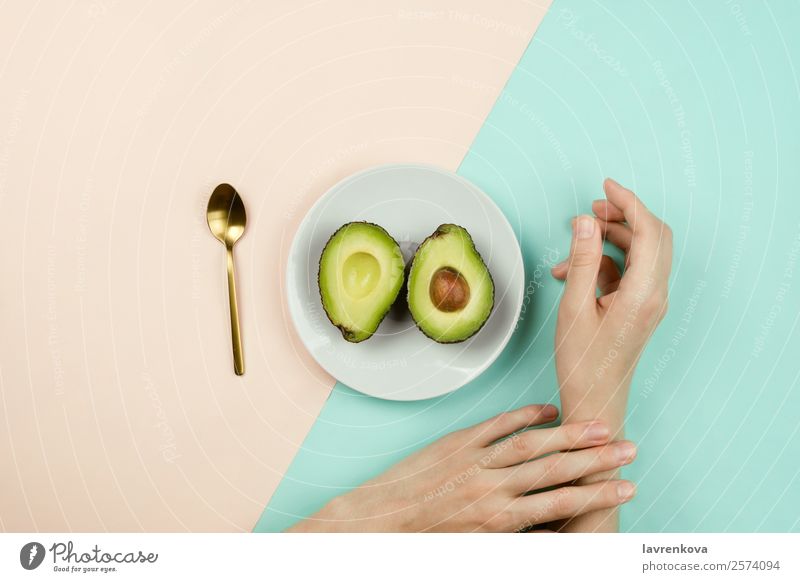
x=595, y=402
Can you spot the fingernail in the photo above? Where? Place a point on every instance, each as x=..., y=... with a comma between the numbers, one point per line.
x=613, y=181
x=626, y=490
x=625, y=452
x=597, y=431
x=585, y=227
x=549, y=411
x=559, y=265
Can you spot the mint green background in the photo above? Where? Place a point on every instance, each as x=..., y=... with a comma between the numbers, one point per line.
x=715, y=402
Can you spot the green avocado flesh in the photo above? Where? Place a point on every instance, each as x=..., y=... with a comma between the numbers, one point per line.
x=361, y=271
x=450, y=290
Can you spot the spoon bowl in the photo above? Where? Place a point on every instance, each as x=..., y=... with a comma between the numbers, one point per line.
x=226, y=215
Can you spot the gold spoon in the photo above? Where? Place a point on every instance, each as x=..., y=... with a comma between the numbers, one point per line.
x=226, y=219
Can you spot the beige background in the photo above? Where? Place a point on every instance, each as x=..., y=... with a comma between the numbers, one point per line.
x=118, y=404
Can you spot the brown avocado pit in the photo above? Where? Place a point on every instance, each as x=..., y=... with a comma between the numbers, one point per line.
x=449, y=291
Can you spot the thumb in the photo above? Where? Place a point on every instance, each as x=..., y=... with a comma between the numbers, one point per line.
x=584, y=264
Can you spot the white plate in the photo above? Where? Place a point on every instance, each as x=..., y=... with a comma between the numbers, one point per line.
x=409, y=201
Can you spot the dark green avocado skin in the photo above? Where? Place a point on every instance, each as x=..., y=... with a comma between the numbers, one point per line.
x=440, y=230
x=349, y=334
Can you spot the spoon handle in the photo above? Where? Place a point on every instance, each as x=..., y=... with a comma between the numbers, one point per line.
x=236, y=336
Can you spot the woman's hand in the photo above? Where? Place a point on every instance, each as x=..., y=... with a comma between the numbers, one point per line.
x=599, y=339
x=478, y=479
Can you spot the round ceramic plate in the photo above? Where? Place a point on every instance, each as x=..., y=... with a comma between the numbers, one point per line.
x=409, y=201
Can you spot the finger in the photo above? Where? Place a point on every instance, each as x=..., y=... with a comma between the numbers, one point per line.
x=584, y=262
x=608, y=277
x=566, y=467
x=650, y=252
x=618, y=234
x=535, y=443
x=628, y=203
x=559, y=271
x=605, y=210
x=638, y=237
x=567, y=502
x=507, y=423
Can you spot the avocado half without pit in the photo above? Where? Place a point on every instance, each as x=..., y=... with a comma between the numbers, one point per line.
x=450, y=290
x=361, y=271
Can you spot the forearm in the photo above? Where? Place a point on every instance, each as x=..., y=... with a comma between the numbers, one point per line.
x=323, y=521
x=612, y=411
x=354, y=511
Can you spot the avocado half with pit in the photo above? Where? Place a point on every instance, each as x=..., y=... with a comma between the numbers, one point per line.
x=361, y=271
x=450, y=290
